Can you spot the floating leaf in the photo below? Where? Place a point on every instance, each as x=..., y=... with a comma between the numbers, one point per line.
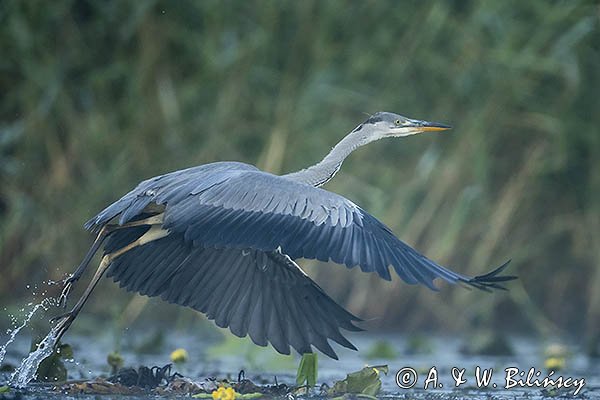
x=249, y=396
x=365, y=382
x=52, y=368
x=373, y=388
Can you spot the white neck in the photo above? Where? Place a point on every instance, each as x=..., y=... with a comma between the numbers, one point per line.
x=322, y=172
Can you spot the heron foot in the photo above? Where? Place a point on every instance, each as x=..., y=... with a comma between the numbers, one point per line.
x=68, y=286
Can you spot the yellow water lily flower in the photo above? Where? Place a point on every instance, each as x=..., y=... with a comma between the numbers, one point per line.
x=554, y=363
x=179, y=356
x=223, y=393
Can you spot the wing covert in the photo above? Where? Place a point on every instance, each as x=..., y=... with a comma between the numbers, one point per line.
x=242, y=207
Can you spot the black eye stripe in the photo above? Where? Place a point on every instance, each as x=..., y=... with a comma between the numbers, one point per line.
x=374, y=119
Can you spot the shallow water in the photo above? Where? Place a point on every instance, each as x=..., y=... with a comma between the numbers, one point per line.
x=264, y=366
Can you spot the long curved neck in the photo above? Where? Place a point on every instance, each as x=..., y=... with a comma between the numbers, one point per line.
x=322, y=172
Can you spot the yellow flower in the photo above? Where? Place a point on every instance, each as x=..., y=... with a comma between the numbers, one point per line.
x=218, y=394
x=179, y=356
x=223, y=393
x=554, y=363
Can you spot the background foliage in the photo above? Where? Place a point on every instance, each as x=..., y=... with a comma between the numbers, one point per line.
x=96, y=96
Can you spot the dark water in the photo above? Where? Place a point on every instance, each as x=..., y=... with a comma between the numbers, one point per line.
x=226, y=359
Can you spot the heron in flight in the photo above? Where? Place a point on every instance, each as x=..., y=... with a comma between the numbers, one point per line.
x=223, y=239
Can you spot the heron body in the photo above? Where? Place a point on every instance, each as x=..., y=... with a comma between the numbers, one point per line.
x=222, y=238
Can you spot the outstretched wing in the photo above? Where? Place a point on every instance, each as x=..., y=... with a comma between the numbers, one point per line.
x=234, y=205
x=261, y=294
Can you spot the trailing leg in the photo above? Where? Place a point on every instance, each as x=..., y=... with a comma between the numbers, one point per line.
x=103, y=234
x=65, y=320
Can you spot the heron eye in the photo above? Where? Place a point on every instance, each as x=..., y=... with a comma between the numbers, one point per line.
x=397, y=122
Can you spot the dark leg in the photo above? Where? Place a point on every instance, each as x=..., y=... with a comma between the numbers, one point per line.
x=67, y=319
x=104, y=232
x=74, y=277
x=154, y=233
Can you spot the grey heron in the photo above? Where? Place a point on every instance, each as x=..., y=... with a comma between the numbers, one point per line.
x=223, y=239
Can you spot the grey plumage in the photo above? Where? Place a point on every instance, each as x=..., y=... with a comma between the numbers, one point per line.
x=234, y=205
x=235, y=231
x=239, y=289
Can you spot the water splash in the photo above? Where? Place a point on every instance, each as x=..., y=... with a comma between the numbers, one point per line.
x=14, y=332
x=28, y=369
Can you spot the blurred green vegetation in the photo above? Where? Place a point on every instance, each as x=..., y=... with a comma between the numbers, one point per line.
x=98, y=95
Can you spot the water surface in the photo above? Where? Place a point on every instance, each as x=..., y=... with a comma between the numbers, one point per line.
x=209, y=358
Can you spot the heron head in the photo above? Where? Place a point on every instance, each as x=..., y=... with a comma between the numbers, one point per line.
x=386, y=124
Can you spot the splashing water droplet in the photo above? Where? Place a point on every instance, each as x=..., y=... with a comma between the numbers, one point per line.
x=13, y=333
x=28, y=368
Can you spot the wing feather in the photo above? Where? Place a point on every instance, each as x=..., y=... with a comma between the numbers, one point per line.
x=235, y=205
x=256, y=322
x=261, y=294
x=238, y=322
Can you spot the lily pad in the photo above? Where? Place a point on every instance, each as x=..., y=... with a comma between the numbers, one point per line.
x=52, y=369
x=365, y=382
